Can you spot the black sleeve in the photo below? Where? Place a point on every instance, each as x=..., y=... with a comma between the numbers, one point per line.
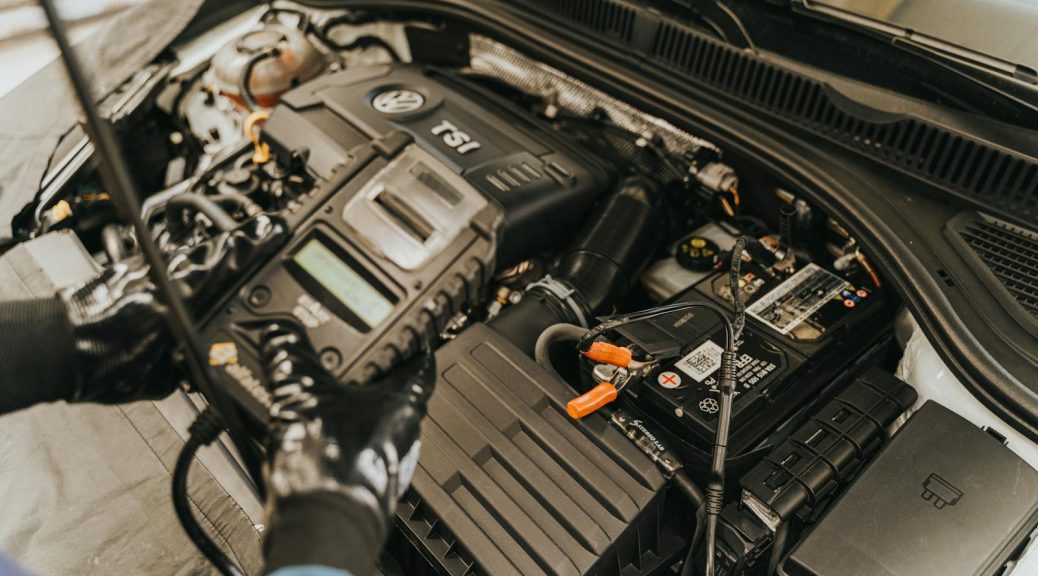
x=323, y=529
x=37, y=353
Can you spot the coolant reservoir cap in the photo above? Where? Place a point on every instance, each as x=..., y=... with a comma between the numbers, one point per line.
x=698, y=253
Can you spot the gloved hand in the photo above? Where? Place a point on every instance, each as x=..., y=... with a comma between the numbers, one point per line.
x=341, y=455
x=123, y=345
x=123, y=342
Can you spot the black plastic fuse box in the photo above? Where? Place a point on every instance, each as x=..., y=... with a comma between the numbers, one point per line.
x=943, y=498
x=824, y=452
x=798, y=478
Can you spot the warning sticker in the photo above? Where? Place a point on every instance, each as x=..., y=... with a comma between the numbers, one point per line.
x=701, y=362
x=796, y=299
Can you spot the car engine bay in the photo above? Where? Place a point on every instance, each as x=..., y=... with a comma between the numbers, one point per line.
x=590, y=276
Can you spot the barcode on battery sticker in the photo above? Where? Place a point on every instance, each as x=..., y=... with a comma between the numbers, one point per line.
x=701, y=362
x=796, y=299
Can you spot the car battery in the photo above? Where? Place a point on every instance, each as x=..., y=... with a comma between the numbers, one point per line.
x=805, y=332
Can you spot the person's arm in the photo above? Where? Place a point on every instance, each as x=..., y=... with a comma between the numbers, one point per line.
x=105, y=341
x=340, y=458
x=324, y=530
x=37, y=353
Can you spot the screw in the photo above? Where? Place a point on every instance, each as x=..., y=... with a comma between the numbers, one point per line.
x=330, y=358
x=259, y=297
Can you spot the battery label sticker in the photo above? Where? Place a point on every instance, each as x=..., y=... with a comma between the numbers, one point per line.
x=701, y=362
x=796, y=299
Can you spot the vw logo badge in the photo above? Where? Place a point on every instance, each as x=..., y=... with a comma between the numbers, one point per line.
x=397, y=101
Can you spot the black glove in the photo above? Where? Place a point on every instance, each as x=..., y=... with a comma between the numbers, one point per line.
x=341, y=455
x=123, y=345
x=122, y=339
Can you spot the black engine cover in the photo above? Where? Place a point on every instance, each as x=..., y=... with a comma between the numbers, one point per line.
x=543, y=184
x=508, y=484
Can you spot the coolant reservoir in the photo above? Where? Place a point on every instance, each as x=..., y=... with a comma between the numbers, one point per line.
x=274, y=59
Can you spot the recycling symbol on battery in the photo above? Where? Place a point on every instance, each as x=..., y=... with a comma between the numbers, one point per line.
x=709, y=406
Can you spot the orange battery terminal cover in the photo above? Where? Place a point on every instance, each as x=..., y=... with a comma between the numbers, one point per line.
x=590, y=401
x=606, y=353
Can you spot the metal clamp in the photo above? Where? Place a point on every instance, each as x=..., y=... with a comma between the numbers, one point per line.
x=563, y=293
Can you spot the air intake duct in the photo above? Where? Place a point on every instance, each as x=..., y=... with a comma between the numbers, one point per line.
x=598, y=269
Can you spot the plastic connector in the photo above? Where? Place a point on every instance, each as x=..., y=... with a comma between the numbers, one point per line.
x=606, y=353
x=590, y=401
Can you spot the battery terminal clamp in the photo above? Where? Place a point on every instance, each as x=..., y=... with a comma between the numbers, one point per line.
x=607, y=390
x=619, y=356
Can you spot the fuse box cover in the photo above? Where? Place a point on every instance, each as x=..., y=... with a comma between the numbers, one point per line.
x=943, y=498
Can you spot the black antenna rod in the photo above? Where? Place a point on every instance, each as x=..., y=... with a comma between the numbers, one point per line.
x=115, y=174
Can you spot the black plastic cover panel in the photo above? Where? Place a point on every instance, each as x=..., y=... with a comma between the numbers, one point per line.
x=943, y=498
x=508, y=484
x=543, y=183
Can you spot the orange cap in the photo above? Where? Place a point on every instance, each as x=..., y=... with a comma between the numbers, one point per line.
x=607, y=353
x=591, y=400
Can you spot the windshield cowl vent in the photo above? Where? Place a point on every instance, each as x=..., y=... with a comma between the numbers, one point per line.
x=991, y=178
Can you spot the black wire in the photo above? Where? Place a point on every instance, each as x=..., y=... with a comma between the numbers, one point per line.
x=733, y=281
x=695, y=496
x=203, y=431
x=246, y=75
x=728, y=381
x=615, y=322
x=778, y=547
x=360, y=42
x=688, y=568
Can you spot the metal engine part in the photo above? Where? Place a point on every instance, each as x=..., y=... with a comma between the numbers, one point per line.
x=497, y=60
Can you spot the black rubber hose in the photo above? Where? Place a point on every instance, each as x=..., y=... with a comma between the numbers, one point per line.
x=203, y=431
x=689, y=489
x=201, y=204
x=237, y=199
x=599, y=267
x=555, y=333
x=246, y=76
x=615, y=245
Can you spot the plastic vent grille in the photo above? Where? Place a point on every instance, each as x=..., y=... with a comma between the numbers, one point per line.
x=1010, y=253
x=994, y=178
x=611, y=18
